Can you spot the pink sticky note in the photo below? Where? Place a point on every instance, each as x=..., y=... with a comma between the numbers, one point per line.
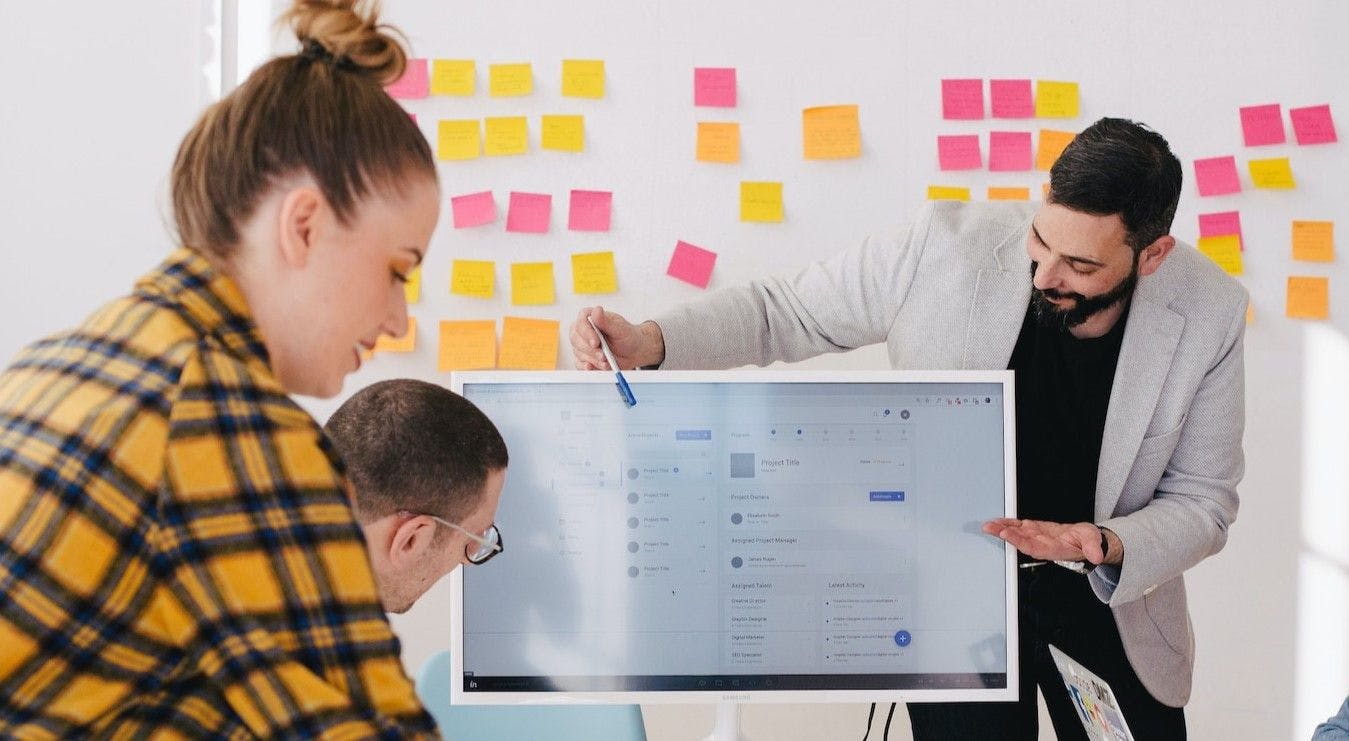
x=1313, y=124
x=529, y=212
x=1262, y=124
x=590, y=210
x=1009, y=151
x=473, y=209
x=413, y=84
x=691, y=264
x=1217, y=176
x=714, y=87
x=959, y=152
x=1221, y=224
x=962, y=99
x=1011, y=98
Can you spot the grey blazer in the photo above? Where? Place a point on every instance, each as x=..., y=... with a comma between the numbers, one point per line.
x=949, y=291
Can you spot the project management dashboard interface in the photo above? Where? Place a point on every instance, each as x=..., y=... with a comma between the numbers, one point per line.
x=742, y=536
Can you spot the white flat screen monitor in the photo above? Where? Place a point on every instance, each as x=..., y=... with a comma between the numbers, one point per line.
x=743, y=537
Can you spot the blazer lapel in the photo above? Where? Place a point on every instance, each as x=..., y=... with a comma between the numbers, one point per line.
x=1001, y=295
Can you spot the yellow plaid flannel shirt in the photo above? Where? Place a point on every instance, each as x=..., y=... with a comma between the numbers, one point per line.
x=177, y=554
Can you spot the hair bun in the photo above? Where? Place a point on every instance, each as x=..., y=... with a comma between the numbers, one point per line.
x=351, y=32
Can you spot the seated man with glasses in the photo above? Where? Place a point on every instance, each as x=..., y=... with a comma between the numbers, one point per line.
x=427, y=468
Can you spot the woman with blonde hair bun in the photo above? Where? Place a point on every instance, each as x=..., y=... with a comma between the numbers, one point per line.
x=178, y=554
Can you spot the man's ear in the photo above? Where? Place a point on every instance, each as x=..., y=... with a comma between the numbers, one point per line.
x=1155, y=254
x=411, y=540
x=300, y=211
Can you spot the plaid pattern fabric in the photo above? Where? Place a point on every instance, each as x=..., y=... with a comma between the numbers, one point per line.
x=177, y=554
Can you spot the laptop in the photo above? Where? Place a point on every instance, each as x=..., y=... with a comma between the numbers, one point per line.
x=1095, y=703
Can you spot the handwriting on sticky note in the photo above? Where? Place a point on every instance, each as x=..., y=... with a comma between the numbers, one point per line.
x=593, y=272
x=1217, y=176
x=590, y=210
x=1056, y=99
x=831, y=132
x=473, y=209
x=564, y=133
x=506, y=80
x=1011, y=98
x=1221, y=223
x=1308, y=297
x=1313, y=124
x=529, y=212
x=453, y=77
x=529, y=344
x=412, y=289
x=476, y=278
x=468, y=345
x=714, y=87
x=506, y=135
x=718, y=141
x=691, y=264
x=1314, y=241
x=1225, y=250
x=459, y=139
x=1262, y=124
x=1052, y=144
x=1010, y=151
x=962, y=99
x=996, y=193
x=413, y=83
x=406, y=343
x=947, y=193
x=583, y=78
x=1274, y=173
x=959, y=152
x=761, y=201
x=532, y=283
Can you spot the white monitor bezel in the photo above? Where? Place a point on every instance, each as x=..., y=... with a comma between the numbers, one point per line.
x=998, y=694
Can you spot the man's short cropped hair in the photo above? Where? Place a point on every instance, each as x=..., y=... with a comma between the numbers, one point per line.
x=415, y=446
x=1117, y=166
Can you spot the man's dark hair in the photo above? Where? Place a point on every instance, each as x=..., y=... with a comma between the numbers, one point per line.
x=415, y=446
x=1117, y=166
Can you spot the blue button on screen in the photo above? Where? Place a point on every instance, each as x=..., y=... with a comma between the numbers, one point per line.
x=887, y=496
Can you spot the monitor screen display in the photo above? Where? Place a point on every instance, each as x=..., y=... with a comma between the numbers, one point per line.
x=754, y=535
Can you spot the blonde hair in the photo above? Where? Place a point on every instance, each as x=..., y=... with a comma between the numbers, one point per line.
x=322, y=111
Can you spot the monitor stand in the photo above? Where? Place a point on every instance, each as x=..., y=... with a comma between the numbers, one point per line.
x=727, y=725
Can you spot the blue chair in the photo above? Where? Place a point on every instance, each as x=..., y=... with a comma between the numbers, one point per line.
x=553, y=722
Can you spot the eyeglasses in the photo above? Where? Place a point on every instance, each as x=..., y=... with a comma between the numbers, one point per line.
x=483, y=547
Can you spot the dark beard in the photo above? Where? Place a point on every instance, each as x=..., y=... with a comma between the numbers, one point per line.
x=1084, y=308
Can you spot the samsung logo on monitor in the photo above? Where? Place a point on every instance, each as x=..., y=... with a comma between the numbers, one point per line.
x=735, y=697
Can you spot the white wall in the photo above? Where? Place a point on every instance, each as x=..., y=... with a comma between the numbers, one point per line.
x=97, y=101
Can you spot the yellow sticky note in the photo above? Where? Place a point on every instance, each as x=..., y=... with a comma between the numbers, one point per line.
x=760, y=201
x=452, y=76
x=1055, y=99
x=1314, y=241
x=583, y=78
x=507, y=135
x=1008, y=194
x=510, y=79
x=564, y=133
x=468, y=345
x=718, y=141
x=529, y=344
x=1308, y=297
x=593, y=272
x=947, y=193
x=1273, y=173
x=406, y=343
x=1250, y=313
x=475, y=278
x=831, y=132
x=1052, y=144
x=459, y=139
x=412, y=290
x=532, y=283
x=1224, y=250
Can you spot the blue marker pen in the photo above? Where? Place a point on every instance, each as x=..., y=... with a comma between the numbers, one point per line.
x=622, y=384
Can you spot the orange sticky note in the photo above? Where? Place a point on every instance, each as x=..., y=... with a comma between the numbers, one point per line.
x=947, y=193
x=1250, y=314
x=406, y=343
x=593, y=272
x=452, y=77
x=532, y=283
x=1008, y=194
x=1056, y=99
x=412, y=290
x=1224, y=249
x=510, y=79
x=564, y=133
x=1052, y=144
x=1308, y=297
x=529, y=344
x=718, y=142
x=1314, y=241
x=760, y=201
x=831, y=132
x=476, y=278
x=459, y=139
x=582, y=78
x=468, y=345
x=1274, y=173
x=506, y=135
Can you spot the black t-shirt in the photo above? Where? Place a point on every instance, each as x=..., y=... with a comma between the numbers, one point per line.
x=1062, y=394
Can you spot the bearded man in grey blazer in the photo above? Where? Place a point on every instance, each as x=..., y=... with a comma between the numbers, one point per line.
x=1127, y=349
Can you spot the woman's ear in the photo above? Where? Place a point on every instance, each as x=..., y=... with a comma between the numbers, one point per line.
x=298, y=224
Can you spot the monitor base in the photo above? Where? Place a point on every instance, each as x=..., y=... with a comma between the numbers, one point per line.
x=727, y=724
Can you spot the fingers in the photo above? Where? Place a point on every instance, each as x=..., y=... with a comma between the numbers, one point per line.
x=585, y=341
